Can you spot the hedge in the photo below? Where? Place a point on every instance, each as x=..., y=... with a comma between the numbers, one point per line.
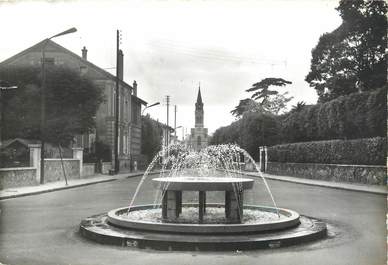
x=355, y=116
x=367, y=151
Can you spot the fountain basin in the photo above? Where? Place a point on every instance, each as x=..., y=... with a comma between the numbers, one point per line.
x=203, y=183
x=110, y=228
x=288, y=219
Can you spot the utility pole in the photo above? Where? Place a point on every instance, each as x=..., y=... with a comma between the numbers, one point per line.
x=174, y=121
x=117, y=108
x=168, y=130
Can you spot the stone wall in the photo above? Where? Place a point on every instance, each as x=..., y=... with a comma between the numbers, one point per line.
x=106, y=166
x=88, y=169
x=53, y=169
x=364, y=174
x=17, y=177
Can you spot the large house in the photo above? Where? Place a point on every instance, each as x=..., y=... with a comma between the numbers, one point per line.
x=129, y=142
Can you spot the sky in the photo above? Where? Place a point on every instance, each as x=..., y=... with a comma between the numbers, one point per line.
x=170, y=47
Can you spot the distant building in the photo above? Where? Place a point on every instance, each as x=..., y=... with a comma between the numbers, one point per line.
x=198, y=138
x=130, y=104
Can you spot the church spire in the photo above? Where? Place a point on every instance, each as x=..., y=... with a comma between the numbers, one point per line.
x=199, y=97
x=199, y=109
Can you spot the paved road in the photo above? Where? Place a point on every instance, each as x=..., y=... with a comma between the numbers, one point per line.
x=42, y=229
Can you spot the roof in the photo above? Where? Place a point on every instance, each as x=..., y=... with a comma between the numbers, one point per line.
x=39, y=46
x=139, y=100
x=23, y=141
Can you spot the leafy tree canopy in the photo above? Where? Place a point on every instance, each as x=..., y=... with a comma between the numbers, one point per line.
x=352, y=57
x=270, y=101
x=151, y=137
x=71, y=104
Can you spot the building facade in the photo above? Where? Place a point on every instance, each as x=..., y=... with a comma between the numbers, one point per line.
x=198, y=138
x=129, y=111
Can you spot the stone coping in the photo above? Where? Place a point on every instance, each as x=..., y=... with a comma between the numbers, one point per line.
x=323, y=164
x=203, y=183
x=64, y=159
x=289, y=219
x=17, y=168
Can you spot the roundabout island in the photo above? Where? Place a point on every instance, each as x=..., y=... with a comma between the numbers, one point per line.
x=171, y=224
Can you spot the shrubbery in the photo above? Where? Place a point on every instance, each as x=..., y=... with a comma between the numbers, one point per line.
x=254, y=129
x=102, y=152
x=359, y=115
x=367, y=151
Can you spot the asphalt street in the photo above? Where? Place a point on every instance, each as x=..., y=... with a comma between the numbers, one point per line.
x=43, y=229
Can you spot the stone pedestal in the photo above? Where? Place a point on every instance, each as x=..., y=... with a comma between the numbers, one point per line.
x=171, y=205
x=234, y=206
x=35, y=150
x=201, y=205
x=172, y=197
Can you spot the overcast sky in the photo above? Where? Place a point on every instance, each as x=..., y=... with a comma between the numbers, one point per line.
x=171, y=46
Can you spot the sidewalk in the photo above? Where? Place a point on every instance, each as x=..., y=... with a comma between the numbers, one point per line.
x=327, y=184
x=60, y=185
x=72, y=183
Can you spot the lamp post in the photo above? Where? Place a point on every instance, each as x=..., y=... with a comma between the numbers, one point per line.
x=3, y=86
x=150, y=106
x=43, y=100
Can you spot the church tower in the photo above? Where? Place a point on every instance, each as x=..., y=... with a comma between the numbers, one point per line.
x=198, y=138
x=199, y=110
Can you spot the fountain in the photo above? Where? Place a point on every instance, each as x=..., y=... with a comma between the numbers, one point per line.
x=229, y=222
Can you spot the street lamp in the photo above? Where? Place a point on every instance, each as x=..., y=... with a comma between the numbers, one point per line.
x=43, y=100
x=157, y=103
x=3, y=86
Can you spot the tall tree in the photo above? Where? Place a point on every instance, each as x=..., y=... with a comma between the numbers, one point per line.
x=263, y=99
x=71, y=104
x=352, y=57
x=151, y=137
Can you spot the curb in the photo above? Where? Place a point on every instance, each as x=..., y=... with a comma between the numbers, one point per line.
x=73, y=186
x=54, y=189
x=332, y=185
x=297, y=181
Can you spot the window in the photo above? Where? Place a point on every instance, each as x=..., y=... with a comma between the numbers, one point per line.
x=198, y=141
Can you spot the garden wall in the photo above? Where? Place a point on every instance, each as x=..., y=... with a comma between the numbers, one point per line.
x=88, y=169
x=364, y=174
x=16, y=177
x=53, y=169
x=106, y=166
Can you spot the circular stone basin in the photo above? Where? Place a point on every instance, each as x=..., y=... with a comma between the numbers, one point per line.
x=114, y=229
x=203, y=183
x=288, y=218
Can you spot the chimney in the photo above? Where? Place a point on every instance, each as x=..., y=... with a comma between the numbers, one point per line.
x=134, y=88
x=121, y=65
x=84, y=53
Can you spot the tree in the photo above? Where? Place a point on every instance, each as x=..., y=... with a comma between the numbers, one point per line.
x=71, y=104
x=246, y=105
x=269, y=100
x=254, y=129
x=151, y=137
x=352, y=57
x=298, y=107
x=262, y=91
